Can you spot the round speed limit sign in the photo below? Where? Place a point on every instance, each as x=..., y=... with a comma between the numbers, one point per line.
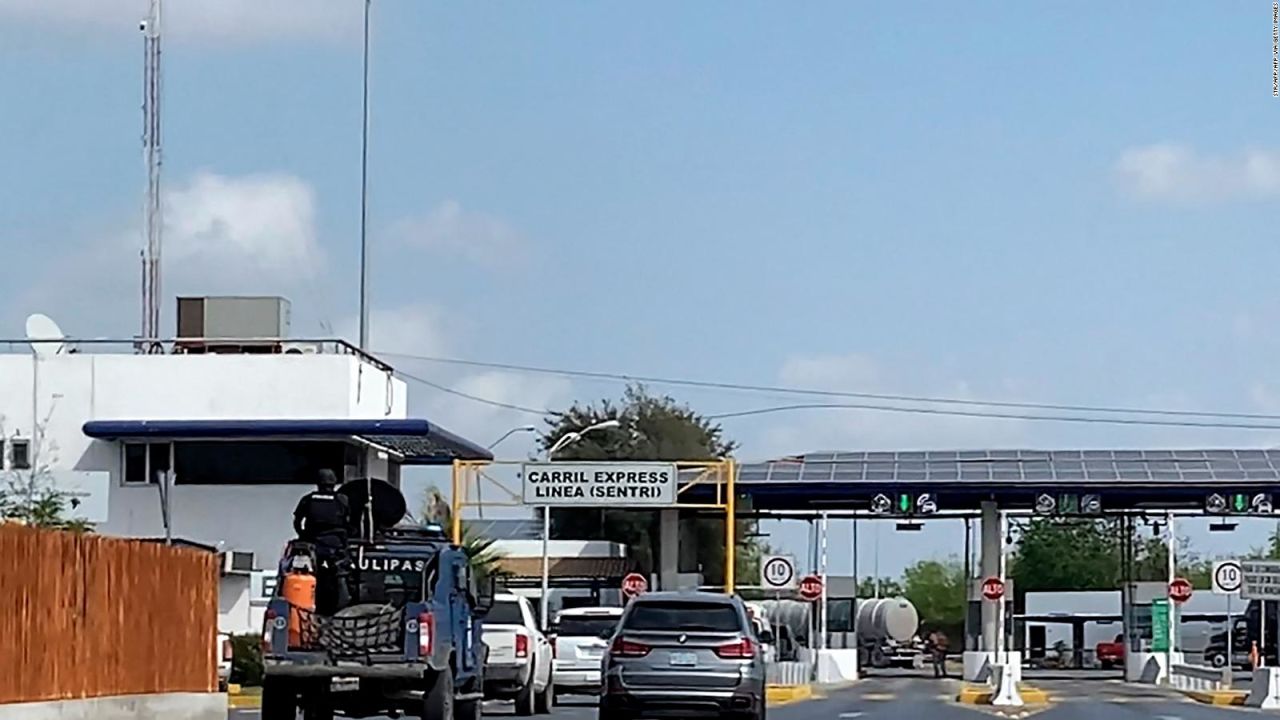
x=778, y=572
x=1227, y=577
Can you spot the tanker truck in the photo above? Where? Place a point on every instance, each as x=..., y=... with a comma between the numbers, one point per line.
x=886, y=630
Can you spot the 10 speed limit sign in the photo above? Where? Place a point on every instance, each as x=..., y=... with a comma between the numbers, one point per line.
x=1227, y=577
x=778, y=572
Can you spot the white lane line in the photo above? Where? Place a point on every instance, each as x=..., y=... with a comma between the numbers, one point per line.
x=851, y=715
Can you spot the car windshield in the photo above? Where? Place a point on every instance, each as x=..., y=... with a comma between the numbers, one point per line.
x=684, y=616
x=586, y=625
x=505, y=612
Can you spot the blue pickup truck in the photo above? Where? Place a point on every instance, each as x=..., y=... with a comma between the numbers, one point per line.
x=408, y=640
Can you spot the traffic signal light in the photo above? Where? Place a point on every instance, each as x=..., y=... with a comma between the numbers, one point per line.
x=904, y=504
x=1239, y=503
x=1068, y=504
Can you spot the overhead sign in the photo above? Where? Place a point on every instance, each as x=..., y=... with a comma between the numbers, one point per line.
x=1180, y=590
x=993, y=588
x=778, y=572
x=625, y=484
x=1227, y=577
x=904, y=504
x=634, y=584
x=1068, y=504
x=1239, y=504
x=1261, y=579
x=811, y=588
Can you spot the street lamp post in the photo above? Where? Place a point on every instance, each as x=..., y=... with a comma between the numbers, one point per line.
x=492, y=445
x=565, y=440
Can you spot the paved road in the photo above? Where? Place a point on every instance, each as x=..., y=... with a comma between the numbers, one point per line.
x=911, y=698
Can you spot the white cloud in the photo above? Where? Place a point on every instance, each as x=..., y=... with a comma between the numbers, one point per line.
x=478, y=237
x=223, y=21
x=846, y=429
x=1178, y=172
x=223, y=235
x=256, y=225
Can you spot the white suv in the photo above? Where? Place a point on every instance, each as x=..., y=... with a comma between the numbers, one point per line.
x=580, y=637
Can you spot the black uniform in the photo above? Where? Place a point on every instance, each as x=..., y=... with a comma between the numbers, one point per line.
x=322, y=518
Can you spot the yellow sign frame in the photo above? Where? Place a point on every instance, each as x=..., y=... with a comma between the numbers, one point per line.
x=721, y=474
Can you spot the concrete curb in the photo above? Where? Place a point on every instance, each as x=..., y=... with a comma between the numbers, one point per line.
x=1218, y=697
x=787, y=694
x=981, y=695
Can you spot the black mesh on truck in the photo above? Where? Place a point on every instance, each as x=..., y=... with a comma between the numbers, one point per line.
x=355, y=631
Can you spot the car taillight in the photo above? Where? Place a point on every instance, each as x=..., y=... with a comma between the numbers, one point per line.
x=267, y=624
x=742, y=650
x=627, y=648
x=226, y=650
x=522, y=646
x=426, y=634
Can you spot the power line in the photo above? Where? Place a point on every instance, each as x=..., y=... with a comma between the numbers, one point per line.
x=469, y=396
x=992, y=415
x=783, y=390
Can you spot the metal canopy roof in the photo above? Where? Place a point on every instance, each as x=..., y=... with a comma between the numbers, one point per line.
x=1129, y=477
x=413, y=441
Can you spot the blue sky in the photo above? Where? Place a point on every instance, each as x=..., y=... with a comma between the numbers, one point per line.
x=1058, y=202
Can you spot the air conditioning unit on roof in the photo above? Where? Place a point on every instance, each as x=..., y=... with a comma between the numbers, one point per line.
x=300, y=348
x=237, y=562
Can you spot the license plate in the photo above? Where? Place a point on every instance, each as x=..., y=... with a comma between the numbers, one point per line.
x=345, y=684
x=684, y=659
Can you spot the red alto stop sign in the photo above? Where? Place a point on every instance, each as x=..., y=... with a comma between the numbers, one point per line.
x=810, y=588
x=634, y=584
x=993, y=588
x=1180, y=590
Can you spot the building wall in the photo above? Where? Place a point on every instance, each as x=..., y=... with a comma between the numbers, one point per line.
x=64, y=391
x=233, y=605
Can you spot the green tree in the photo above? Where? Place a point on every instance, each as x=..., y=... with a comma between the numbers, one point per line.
x=937, y=590
x=888, y=588
x=31, y=496
x=653, y=427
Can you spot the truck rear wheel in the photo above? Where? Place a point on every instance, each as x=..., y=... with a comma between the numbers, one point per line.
x=279, y=699
x=526, y=703
x=437, y=701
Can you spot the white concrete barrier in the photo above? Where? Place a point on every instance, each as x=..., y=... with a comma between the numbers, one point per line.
x=1199, y=678
x=1005, y=682
x=1264, y=692
x=165, y=706
x=790, y=673
x=836, y=666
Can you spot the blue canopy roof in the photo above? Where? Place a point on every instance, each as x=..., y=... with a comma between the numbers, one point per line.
x=415, y=441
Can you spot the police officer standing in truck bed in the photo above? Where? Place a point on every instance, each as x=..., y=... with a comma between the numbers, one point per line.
x=322, y=518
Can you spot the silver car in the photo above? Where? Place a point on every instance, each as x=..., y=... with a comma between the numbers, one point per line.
x=683, y=655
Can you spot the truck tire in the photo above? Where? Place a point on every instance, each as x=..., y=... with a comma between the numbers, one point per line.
x=545, y=700
x=279, y=699
x=468, y=710
x=437, y=701
x=526, y=703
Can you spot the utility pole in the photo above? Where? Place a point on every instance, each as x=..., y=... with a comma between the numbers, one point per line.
x=152, y=216
x=364, y=192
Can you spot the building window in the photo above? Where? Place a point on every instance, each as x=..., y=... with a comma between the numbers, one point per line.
x=145, y=462
x=19, y=454
x=256, y=463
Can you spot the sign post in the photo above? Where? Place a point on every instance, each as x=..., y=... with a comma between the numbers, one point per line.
x=778, y=572
x=1227, y=578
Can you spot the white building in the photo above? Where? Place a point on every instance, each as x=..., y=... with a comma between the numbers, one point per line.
x=235, y=432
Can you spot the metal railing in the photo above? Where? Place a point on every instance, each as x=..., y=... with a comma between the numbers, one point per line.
x=194, y=345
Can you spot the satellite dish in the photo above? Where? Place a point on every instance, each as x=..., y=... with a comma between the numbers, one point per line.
x=45, y=336
x=389, y=506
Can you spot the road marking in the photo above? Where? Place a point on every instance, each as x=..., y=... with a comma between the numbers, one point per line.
x=851, y=715
x=879, y=696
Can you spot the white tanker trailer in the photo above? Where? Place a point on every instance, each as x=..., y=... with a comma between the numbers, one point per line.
x=886, y=629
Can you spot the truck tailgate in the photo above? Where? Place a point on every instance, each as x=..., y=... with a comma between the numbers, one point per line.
x=501, y=640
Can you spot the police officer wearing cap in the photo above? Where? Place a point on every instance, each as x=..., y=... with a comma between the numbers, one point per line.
x=322, y=518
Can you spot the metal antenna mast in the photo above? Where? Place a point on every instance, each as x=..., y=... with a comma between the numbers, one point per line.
x=153, y=220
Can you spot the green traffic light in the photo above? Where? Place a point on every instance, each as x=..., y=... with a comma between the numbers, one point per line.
x=1240, y=502
x=904, y=503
